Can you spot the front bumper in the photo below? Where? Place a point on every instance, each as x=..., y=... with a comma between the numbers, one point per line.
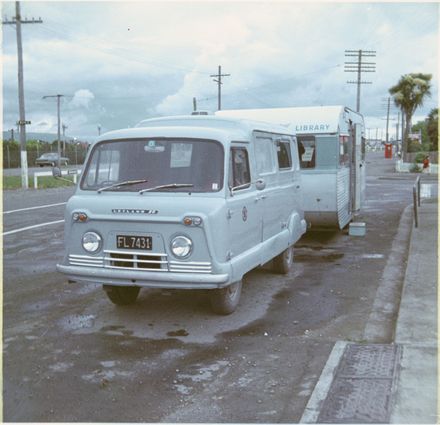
x=145, y=279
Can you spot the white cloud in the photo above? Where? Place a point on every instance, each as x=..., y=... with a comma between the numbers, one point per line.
x=120, y=60
x=82, y=99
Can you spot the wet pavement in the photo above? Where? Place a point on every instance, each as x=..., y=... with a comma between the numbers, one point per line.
x=70, y=355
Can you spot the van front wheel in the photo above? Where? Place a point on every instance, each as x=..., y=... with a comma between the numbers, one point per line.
x=122, y=295
x=225, y=300
x=283, y=263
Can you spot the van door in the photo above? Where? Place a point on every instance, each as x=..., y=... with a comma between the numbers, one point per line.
x=272, y=194
x=244, y=209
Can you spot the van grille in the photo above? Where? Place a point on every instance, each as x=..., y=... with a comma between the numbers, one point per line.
x=135, y=260
x=123, y=260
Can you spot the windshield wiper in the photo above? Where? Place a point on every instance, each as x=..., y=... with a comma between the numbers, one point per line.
x=166, y=186
x=126, y=183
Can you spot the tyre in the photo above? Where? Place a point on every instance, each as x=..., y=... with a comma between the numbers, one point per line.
x=283, y=263
x=225, y=300
x=122, y=295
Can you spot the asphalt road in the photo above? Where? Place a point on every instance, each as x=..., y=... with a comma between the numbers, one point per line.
x=70, y=355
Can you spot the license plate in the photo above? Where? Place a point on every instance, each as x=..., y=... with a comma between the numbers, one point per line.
x=134, y=242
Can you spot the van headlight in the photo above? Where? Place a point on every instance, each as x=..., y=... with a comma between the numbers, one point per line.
x=91, y=241
x=181, y=246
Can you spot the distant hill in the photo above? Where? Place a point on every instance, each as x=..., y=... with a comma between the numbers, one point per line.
x=46, y=137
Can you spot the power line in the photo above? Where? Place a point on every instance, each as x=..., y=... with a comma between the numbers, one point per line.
x=359, y=67
x=17, y=21
x=101, y=45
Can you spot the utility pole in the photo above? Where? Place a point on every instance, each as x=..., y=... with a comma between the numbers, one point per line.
x=12, y=134
x=22, y=123
x=219, y=83
x=58, y=96
x=64, y=126
x=359, y=67
x=99, y=129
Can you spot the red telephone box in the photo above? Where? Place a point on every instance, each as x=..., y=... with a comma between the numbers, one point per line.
x=388, y=150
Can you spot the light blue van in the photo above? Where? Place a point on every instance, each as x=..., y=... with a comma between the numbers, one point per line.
x=185, y=203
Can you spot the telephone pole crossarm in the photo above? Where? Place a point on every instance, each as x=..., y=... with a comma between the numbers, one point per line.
x=359, y=67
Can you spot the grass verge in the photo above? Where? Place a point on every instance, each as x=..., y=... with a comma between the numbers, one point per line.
x=14, y=182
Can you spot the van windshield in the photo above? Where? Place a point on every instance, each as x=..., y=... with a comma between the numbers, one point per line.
x=179, y=165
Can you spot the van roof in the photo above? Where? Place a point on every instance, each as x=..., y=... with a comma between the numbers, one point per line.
x=204, y=127
x=300, y=120
x=213, y=121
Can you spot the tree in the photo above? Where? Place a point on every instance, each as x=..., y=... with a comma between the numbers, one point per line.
x=408, y=94
x=432, y=128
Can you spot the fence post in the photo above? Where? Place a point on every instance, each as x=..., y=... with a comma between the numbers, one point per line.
x=416, y=219
x=418, y=191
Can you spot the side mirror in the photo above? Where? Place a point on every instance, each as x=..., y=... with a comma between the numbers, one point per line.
x=56, y=172
x=260, y=184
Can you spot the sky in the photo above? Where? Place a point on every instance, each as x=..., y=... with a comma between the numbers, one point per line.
x=117, y=63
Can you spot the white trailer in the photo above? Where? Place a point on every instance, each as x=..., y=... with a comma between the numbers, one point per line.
x=331, y=142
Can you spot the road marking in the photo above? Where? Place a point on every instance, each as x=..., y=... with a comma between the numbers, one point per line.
x=32, y=227
x=34, y=208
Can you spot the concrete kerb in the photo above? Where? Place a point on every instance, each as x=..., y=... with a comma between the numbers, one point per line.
x=313, y=408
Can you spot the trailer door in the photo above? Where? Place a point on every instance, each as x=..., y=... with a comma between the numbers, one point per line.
x=353, y=154
x=358, y=166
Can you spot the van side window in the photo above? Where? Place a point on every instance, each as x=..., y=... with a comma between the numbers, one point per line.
x=307, y=151
x=264, y=154
x=239, y=174
x=284, y=154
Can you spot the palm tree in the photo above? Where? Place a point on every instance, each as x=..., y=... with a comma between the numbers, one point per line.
x=408, y=94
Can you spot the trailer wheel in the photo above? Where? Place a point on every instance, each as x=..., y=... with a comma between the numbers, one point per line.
x=283, y=263
x=225, y=300
x=122, y=295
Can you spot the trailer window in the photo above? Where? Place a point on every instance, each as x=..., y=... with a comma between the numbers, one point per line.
x=284, y=154
x=307, y=151
x=344, y=152
x=239, y=174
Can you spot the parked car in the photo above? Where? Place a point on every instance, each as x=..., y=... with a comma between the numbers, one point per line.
x=51, y=159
